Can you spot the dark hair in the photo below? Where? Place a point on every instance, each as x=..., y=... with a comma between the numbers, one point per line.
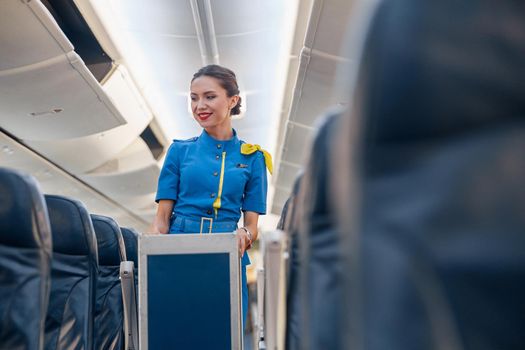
x=226, y=78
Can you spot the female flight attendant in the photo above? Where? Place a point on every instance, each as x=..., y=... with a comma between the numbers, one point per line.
x=208, y=180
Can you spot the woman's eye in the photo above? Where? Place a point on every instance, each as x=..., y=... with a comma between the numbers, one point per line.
x=193, y=98
x=211, y=97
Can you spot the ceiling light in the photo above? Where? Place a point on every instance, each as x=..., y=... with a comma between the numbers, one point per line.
x=7, y=150
x=202, y=16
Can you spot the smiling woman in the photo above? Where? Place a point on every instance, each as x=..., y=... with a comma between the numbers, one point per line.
x=207, y=181
x=214, y=99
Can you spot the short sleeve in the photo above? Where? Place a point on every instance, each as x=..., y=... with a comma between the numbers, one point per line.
x=256, y=187
x=168, y=185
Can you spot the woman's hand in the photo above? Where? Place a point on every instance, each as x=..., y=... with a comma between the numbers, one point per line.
x=248, y=234
x=161, y=223
x=159, y=227
x=244, y=240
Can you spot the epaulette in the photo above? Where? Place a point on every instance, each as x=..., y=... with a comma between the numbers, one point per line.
x=192, y=139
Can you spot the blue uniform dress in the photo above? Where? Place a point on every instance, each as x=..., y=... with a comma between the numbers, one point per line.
x=192, y=175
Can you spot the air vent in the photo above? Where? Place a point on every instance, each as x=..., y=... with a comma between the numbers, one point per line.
x=74, y=26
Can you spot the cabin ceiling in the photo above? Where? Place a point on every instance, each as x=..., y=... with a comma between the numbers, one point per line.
x=285, y=54
x=313, y=85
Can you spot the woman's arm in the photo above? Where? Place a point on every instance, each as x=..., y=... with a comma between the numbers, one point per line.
x=161, y=224
x=251, y=220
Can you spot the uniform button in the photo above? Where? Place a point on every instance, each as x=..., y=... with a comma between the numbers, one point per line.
x=217, y=156
x=212, y=195
x=219, y=146
x=215, y=173
x=208, y=212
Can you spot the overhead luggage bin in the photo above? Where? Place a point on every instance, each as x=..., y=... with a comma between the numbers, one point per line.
x=130, y=179
x=106, y=145
x=189, y=292
x=134, y=172
x=31, y=33
x=46, y=90
x=319, y=60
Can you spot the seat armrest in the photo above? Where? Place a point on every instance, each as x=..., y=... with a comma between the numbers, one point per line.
x=129, y=299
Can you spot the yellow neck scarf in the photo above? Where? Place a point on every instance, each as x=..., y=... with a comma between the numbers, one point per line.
x=247, y=148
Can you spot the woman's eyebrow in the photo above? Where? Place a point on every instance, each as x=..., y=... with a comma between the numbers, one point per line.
x=204, y=93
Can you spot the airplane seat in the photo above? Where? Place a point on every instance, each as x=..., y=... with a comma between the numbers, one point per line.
x=286, y=211
x=436, y=232
x=293, y=296
x=129, y=282
x=109, y=313
x=130, y=237
x=319, y=261
x=25, y=261
x=131, y=243
x=74, y=270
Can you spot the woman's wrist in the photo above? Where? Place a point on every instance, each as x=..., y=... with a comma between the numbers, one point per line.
x=249, y=234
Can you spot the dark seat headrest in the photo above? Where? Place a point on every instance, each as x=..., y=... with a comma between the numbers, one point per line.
x=71, y=226
x=110, y=244
x=24, y=220
x=131, y=241
x=438, y=68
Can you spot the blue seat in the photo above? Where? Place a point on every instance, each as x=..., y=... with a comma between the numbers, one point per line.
x=436, y=235
x=315, y=266
x=129, y=281
x=130, y=237
x=109, y=313
x=69, y=322
x=25, y=261
x=289, y=224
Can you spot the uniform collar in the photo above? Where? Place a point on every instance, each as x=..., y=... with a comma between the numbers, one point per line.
x=209, y=141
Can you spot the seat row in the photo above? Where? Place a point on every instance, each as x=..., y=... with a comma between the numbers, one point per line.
x=407, y=227
x=60, y=270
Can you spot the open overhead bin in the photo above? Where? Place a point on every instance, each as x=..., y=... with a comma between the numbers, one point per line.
x=46, y=90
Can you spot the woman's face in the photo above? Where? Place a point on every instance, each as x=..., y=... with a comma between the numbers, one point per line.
x=210, y=103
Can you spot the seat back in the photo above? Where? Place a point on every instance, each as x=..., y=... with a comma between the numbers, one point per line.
x=74, y=269
x=293, y=290
x=25, y=261
x=437, y=232
x=109, y=313
x=129, y=279
x=130, y=237
x=316, y=288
